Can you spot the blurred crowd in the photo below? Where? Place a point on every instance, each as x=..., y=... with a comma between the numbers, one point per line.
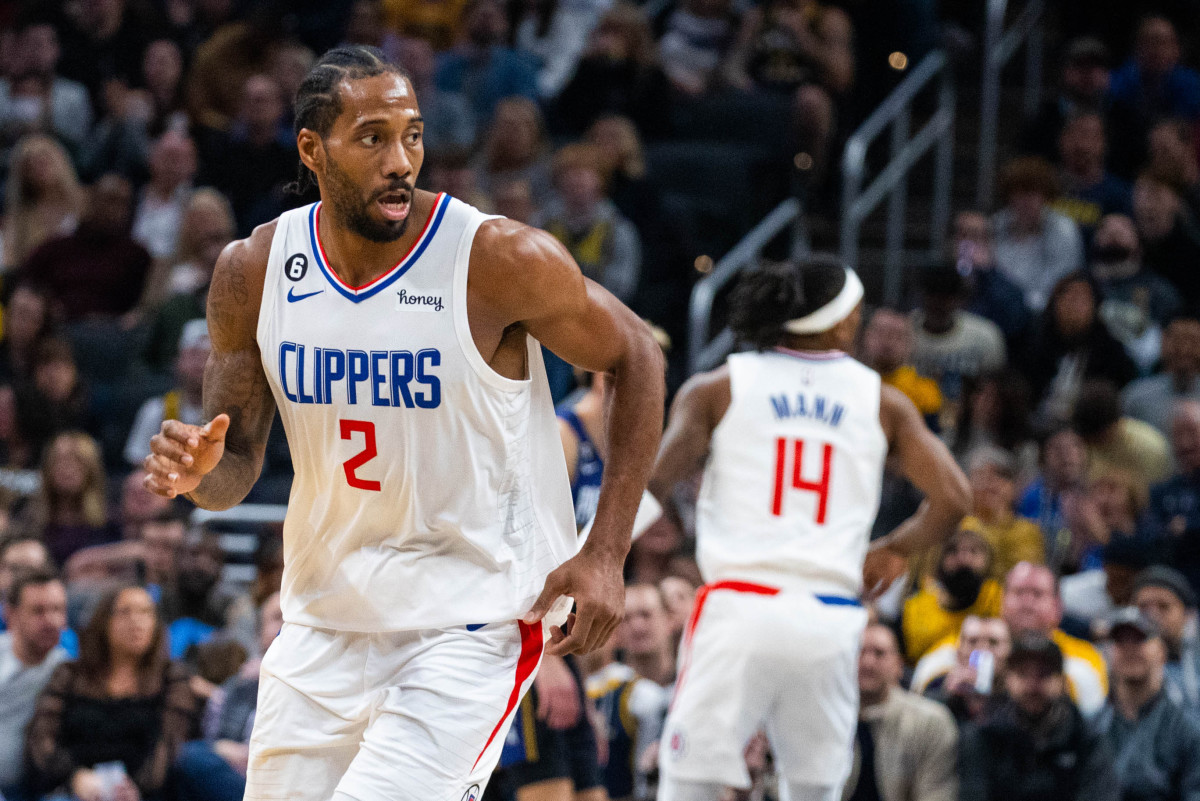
x=1049, y=650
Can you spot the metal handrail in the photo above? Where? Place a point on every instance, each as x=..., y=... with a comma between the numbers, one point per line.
x=705, y=352
x=892, y=182
x=999, y=46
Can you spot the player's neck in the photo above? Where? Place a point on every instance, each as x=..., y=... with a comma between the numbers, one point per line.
x=357, y=260
x=812, y=342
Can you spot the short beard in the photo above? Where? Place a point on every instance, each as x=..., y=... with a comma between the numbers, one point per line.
x=344, y=200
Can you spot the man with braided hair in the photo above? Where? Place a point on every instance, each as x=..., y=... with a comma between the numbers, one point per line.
x=429, y=542
x=792, y=439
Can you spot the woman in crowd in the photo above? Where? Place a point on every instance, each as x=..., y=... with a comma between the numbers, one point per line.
x=43, y=199
x=1108, y=508
x=53, y=399
x=69, y=510
x=1071, y=345
x=122, y=708
x=516, y=146
x=27, y=323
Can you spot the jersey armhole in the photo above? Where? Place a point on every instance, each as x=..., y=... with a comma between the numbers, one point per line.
x=275, y=259
x=462, y=322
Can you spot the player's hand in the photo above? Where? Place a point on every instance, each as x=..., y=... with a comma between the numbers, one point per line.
x=558, y=698
x=882, y=566
x=594, y=580
x=181, y=455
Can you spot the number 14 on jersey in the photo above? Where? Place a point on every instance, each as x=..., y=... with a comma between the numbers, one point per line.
x=795, y=449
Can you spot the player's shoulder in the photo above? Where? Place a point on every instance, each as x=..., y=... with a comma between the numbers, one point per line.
x=507, y=243
x=235, y=293
x=249, y=256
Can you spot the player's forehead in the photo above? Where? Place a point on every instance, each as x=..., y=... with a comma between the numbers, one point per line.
x=387, y=98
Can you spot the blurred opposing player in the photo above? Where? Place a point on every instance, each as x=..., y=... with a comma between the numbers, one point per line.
x=792, y=439
x=429, y=529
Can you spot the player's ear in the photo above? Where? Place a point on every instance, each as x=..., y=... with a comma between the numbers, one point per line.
x=312, y=153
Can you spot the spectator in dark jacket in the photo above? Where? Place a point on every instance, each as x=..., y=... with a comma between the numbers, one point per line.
x=1170, y=235
x=1036, y=746
x=1156, y=744
x=1173, y=515
x=990, y=293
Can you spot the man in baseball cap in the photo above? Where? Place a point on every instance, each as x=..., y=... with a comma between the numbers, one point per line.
x=1154, y=741
x=1166, y=597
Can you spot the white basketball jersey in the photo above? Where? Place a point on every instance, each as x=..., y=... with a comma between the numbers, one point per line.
x=794, y=474
x=430, y=491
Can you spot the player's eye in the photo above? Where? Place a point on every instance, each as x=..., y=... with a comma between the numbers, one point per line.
x=414, y=137
x=370, y=139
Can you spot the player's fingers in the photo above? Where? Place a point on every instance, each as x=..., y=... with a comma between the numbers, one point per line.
x=163, y=469
x=578, y=638
x=171, y=449
x=181, y=432
x=158, y=486
x=215, y=430
x=555, y=586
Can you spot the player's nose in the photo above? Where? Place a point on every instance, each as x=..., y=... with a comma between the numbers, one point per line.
x=397, y=162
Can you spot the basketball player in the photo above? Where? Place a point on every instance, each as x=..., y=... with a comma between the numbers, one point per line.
x=429, y=529
x=795, y=436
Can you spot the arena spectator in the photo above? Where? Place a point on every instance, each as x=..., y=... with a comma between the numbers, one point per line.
x=1036, y=745
x=149, y=558
x=291, y=62
x=43, y=198
x=102, y=43
x=455, y=173
x=53, y=400
x=906, y=745
x=1154, y=84
x=99, y=269
x=1115, y=442
x=1173, y=152
x=224, y=63
x=952, y=344
x=1170, y=237
x=214, y=769
x=1012, y=539
x=697, y=39
x=1091, y=596
x=1174, y=511
x=208, y=226
x=34, y=98
x=1089, y=191
x=481, y=66
x=27, y=324
x=258, y=157
x=1072, y=344
x=435, y=22
x=181, y=402
x=1106, y=509
x=990, y=294
x=1035, y=245
x=581, y=426
x=1032, y=606
x=1165, y=597
x=1082, y=85
x=514, y=200
x=554, y=36
x=602, y=241
x=69, y=509
x=618, y=74
x=996, y=412
x=449, y=123
x=631, y=696
x=1136, y=302
x=136, y=504
x=162, y=87
x=1153, y=740
x=120, y=141
x=20, y=553
x=887, y=348
x=515, y=145
x=1153, y=398
x=958, y=588
x=123, y=700
x=36, y=612
x=678, y=594
x=160, y=207
x=199, y=608
x=965, y=686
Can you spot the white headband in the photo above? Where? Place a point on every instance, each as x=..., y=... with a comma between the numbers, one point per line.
x=832, y=312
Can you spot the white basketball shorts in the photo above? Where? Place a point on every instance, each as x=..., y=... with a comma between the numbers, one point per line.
x=753, y=659
x=397, y=716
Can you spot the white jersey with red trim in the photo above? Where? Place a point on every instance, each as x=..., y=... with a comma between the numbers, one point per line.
x=430, y=491
x=794, y=474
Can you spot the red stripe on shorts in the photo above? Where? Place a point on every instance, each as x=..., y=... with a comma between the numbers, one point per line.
x=531, y=654
x=694, y=620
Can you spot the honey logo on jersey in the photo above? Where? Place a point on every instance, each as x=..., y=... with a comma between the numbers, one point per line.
x=411, y=301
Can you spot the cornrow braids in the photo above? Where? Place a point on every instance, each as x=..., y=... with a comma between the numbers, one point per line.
x=319, y=101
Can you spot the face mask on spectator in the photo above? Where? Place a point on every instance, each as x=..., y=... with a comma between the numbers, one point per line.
x=962, y=584
x=1113, y=254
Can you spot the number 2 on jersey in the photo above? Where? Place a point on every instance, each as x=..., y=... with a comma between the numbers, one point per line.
x=821, y=486
x=349, y=428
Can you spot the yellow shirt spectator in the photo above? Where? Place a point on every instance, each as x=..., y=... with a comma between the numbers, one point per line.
x=925, y=622
x=923, y=392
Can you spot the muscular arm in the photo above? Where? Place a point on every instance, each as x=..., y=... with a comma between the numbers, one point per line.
x=699, y=406
x=925, y=461
x=234, y=381
x=524, y=279
x=216, y=464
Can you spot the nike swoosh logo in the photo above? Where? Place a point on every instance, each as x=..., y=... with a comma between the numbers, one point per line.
x=293, y=297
